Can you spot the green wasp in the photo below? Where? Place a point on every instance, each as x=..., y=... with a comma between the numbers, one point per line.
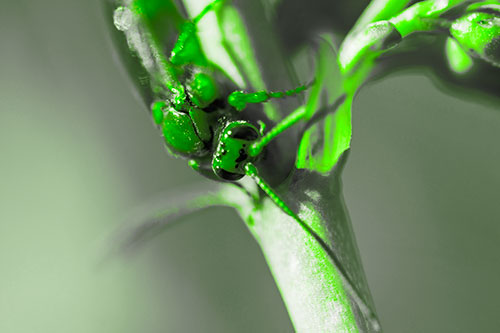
x=198, y=110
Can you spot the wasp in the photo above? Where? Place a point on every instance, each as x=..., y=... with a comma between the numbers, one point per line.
x=198, y=112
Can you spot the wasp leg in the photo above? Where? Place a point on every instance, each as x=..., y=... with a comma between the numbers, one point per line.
x=300, y=114
x=251, y=171
x=240, y=99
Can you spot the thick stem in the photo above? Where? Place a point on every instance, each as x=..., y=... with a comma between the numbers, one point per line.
x=321, y=293
x=310, y=285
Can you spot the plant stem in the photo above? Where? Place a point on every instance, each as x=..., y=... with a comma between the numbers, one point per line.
x=321, y=294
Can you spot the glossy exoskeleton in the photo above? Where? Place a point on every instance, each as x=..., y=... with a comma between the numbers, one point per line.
x=198, y=113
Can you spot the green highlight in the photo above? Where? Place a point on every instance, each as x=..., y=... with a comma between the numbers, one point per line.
x=460, y=62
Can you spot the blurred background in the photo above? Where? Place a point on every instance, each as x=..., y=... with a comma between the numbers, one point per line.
x=78, y=152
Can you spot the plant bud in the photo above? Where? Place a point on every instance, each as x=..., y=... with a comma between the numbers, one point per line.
x=478, y=32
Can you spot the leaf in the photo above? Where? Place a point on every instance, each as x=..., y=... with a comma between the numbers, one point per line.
x=325, y=141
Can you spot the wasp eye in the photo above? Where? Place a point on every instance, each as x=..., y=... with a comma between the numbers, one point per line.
x=203, y=90
x=244, y=132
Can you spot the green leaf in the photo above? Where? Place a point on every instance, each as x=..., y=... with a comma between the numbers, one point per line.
x=325, y=141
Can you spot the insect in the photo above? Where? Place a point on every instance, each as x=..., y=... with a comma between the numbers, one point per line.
x=198, y=114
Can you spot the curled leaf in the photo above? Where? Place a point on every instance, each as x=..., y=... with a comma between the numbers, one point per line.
x=373, y=38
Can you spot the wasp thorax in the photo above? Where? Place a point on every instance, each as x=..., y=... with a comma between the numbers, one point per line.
x=232, y=152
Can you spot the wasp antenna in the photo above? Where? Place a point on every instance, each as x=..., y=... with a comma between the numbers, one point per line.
x=251, y=171
x=299, y=114
x=240, y=99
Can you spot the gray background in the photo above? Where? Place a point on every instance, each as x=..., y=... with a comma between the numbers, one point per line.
x=78, y=152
